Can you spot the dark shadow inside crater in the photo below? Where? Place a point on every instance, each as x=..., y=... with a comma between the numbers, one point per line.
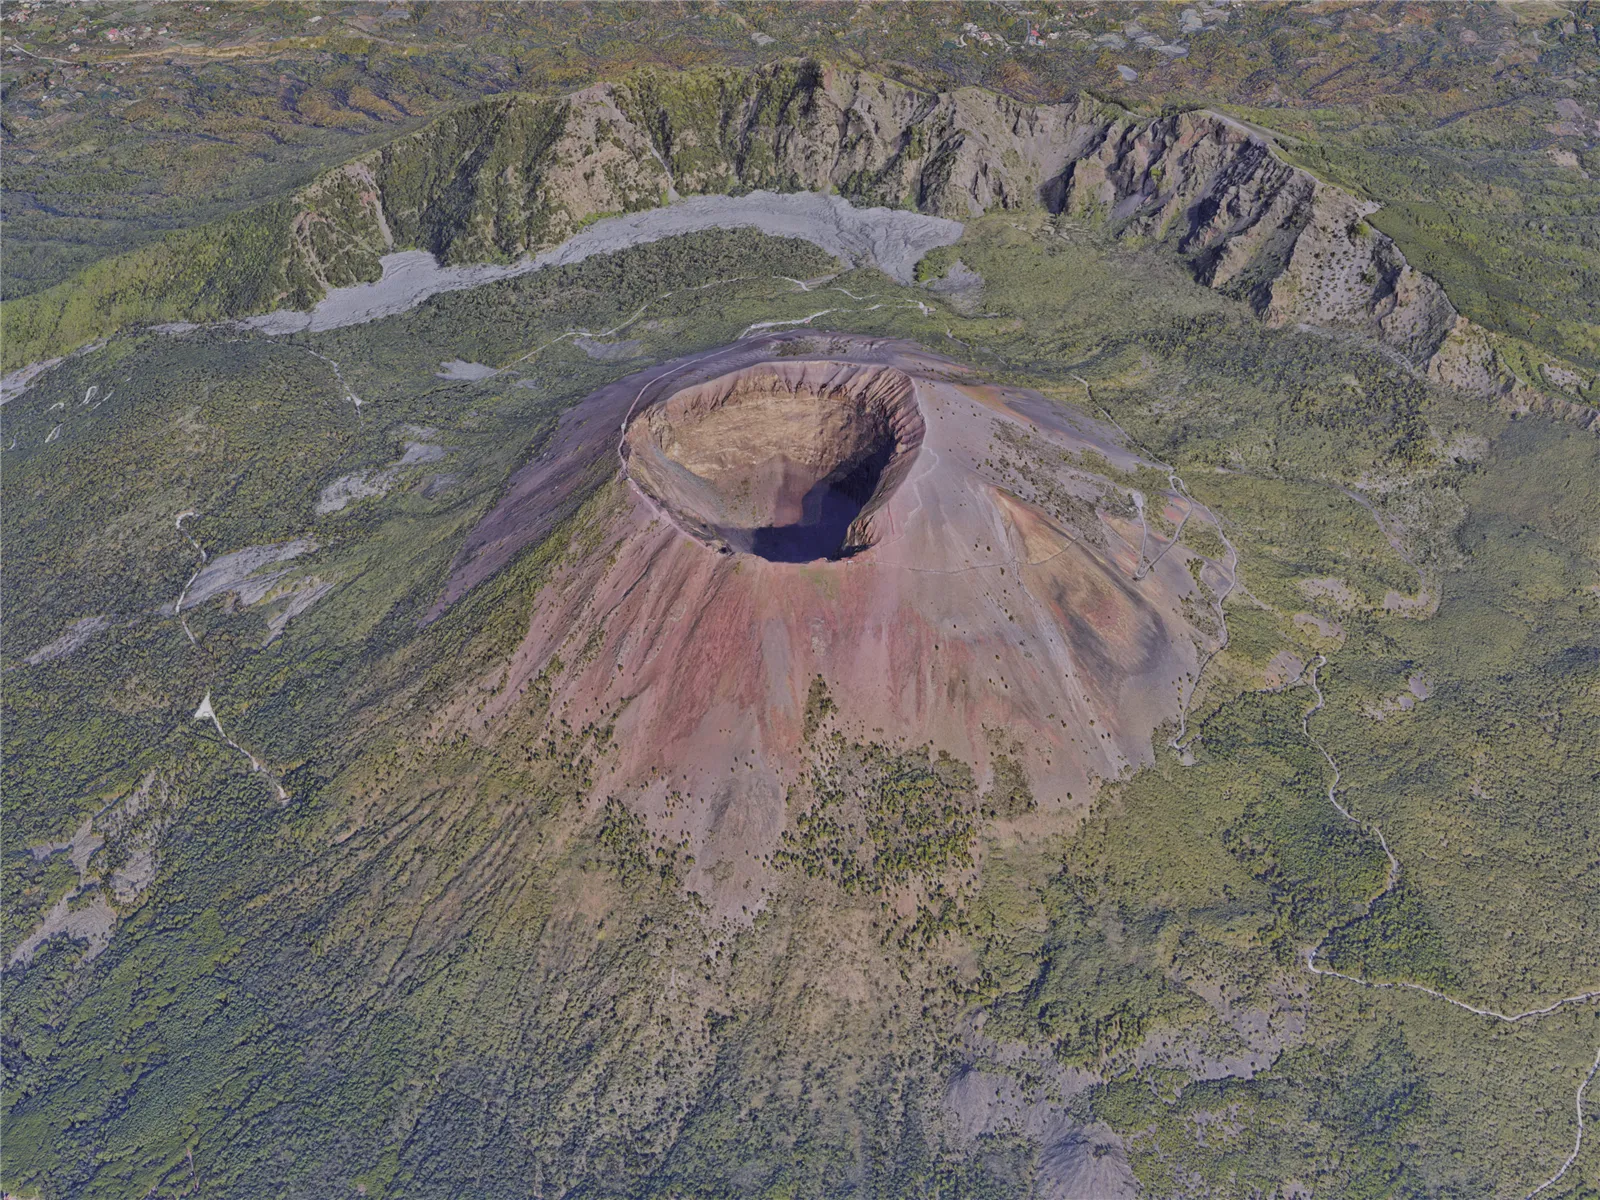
x=791, y=462
x=827, y=511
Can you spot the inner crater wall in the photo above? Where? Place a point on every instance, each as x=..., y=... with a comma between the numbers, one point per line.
x=786, y=460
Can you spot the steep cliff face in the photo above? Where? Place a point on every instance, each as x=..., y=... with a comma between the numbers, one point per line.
x=808, y=127
x=516, y=174
x=1252, y=226
x=491, y=183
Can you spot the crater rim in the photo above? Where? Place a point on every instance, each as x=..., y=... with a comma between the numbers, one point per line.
x=787, y=460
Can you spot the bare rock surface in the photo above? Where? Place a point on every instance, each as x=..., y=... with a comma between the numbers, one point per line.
x=871, y=170
x=242, y=572
x=1089, y=1161
x=875, y=172
x=77, y=635
x=91, y=923
x=365, y=485
x=961, y=286
x=458, y=370
x=954, y=605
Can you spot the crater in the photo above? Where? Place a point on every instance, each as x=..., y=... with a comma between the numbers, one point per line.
x=790, y=461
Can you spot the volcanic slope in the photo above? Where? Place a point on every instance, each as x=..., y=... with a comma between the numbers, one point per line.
x=818, y=516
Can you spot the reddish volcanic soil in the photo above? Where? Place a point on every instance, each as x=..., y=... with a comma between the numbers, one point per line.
x=865, y=511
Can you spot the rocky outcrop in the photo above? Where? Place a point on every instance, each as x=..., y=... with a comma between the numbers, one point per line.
x=809, y=127
x=1467, y=359
x=515, y=174
x=1255, y=227
x=512, y=175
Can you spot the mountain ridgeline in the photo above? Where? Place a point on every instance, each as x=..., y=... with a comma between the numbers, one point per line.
x=516, y=173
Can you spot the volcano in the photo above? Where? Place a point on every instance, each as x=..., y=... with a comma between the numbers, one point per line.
x=957, y=566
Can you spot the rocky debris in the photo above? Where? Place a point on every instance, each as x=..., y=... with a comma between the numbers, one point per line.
x=133, y=827
x=516, y=182
x=77, y=634
x=1572, y=120
x=363, y=485
x=248, y=575
x=242, y=572
x=1418, y=689
x=890, y=239
x=456, y=370
x=413, y=453
x=79, y=848
x=1090, y=1161
x=14, y=383
x=358, y=485
x=1253, y=226
x=961, y=287
x=1314, y=626
x=297, y=597
x=135, y=875
x=89, y=923
x=1285, y=668
x=1075, y=1160
x=122, y=837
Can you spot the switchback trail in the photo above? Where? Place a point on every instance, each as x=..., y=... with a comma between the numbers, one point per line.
x=1393, y=878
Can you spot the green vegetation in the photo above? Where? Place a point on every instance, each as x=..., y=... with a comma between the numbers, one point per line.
x=819, y=707
x=1490, y=204
x=935, y=263
x=445, y=968
x=874, y=821
x=1464, y=121
x=233, y=268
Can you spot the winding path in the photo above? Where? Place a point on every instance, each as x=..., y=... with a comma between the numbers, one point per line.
x=1371, y=829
